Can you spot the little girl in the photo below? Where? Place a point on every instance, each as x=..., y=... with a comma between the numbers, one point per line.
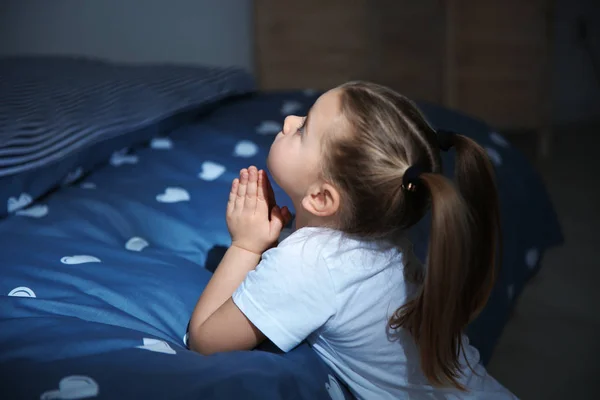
x=361, y=168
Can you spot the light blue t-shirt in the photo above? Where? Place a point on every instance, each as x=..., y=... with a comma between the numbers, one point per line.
x=339, y=294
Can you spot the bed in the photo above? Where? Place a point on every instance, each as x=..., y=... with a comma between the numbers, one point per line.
x=115, y=179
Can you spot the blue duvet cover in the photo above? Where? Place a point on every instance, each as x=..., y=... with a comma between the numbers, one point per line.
x=99, y=278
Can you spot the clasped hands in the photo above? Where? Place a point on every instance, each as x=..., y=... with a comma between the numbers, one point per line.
x=254, y=220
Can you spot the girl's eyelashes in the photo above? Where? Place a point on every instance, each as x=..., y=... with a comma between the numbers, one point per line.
x=300, y=129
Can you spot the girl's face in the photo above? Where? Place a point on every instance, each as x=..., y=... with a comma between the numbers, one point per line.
x=294, y=160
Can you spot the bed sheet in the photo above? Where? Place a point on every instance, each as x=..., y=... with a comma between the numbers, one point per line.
x=101, y=277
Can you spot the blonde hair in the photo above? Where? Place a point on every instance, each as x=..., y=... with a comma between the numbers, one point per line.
x=387, y=134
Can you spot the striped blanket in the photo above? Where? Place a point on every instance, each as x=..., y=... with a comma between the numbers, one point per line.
x=51, y=107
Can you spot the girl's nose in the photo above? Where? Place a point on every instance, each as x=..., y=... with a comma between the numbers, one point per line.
x=289, y=124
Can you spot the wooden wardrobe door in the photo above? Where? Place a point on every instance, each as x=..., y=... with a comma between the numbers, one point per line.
x=310, y=43
x=487, y=58
x=407, y=47
x=321, y=44
x=501, y=60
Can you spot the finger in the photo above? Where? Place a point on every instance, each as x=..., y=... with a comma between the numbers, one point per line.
x=262, y=186
x=241, y=192
x=262, y=205
x=252, y=189
x=232, y=195
x=276, y=223
x=287, y=215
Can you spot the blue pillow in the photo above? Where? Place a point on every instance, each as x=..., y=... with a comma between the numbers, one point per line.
x=62, y=116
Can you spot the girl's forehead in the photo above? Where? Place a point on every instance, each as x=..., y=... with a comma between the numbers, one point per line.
x=328, y=100
x=326, y=110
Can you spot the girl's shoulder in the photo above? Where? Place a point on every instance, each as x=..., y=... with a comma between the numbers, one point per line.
x=330, y=245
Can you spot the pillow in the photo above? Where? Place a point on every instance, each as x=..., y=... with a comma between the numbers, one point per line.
x=62, y=116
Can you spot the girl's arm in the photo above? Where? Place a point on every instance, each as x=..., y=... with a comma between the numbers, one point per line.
x=216, y=316
x=217, y=324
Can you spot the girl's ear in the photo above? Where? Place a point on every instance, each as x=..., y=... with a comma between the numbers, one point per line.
x=322, y=200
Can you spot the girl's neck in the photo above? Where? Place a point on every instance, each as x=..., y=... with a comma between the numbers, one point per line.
x=306, y=219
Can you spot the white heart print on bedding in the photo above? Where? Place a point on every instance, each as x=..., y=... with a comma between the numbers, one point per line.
x=73, y=176
x=158, y=346
x=209, y=171
x=161, y=143
x=136, y=244
x=88, y=185
x=73, y=387
x=494, y=156
x=17, y=203
x=290, y=107
x=173, y=195
x=21, y=291
x=245, y=148
x=269, y=128
x=37, y=211
x=79, y=259
x=498, y=139
x=121, y=157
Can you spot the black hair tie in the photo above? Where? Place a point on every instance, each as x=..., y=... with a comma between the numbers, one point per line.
x=411, y=178
x=446, y=139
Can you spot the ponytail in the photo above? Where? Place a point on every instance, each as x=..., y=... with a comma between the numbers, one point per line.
x=460, y=263
x=476, y=182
